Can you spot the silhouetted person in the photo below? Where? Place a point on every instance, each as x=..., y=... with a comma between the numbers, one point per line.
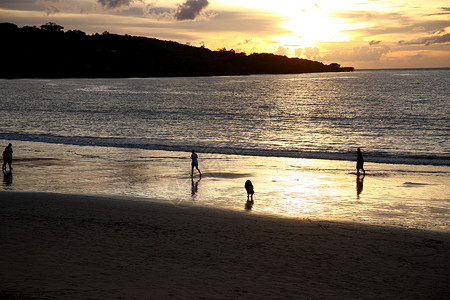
x=194, y=158
x=7, y=157
x=359, y=162
x=250, y=190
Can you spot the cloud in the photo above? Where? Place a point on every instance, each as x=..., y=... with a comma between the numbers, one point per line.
x=373, y=43
x=427, y=41
x=27, y=5
x=418, y=29
x=364, y=53
x=160, y=13
x=445, y=11
x=244, y=23
x=298, y=52
x=190, y=9
x=389, y=23
x=281, y=51
x=439, y=31
x=114, y=4
x=245, y=42
x=60, y=6
x=52, y=6
x=371, y=16
x=311, y=53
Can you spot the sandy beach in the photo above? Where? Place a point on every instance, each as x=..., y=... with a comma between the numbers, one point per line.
x=79, y=222
x=60, y=246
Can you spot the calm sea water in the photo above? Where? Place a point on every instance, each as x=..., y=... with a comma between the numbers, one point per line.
x=395, y=116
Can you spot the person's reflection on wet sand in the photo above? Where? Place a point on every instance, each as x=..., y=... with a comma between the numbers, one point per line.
x=249, y=205
x=359, y=184
x=194, y=188
x=7, y=177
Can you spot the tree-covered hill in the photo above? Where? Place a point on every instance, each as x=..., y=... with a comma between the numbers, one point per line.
x=50, y=52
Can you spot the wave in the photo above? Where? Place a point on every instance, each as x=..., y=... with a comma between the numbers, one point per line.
x=232, y=149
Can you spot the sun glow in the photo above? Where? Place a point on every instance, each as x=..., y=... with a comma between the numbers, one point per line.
x=310, y=25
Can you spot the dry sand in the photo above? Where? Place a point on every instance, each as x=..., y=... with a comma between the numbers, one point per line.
x=56, y=246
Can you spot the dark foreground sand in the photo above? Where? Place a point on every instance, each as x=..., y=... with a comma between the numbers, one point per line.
x=78, y=247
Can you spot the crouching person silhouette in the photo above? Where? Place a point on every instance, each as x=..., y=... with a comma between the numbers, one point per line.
x=250, y=190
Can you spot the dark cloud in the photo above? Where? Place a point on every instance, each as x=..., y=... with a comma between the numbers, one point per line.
x=114, y=4
x=445, y=11
x=439, y=31
x=21, y=5
x=373, y=43
x=159, y=10
x=52, y=6
x=427, y=41
x=190, y=9
x=160, y=13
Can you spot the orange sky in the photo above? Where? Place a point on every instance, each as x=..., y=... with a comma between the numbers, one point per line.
x=361, y=33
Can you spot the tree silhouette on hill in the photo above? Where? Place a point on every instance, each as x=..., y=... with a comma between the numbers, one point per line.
x=49, y=52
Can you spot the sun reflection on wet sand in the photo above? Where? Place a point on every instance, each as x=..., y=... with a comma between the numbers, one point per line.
x=399, y=195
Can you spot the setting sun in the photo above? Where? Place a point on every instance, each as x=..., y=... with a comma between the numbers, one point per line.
x=309, y=27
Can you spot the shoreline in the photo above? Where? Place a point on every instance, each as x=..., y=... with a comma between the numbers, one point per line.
x=77, y=246
x=413, y=159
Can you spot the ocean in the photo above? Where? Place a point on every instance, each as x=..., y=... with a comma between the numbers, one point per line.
x=399, y=119
x=395, y=116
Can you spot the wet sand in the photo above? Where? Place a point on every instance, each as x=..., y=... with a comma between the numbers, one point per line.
x=61, y=246
x=405, y=196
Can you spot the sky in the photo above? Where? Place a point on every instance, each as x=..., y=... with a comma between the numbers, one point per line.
x=365, y=34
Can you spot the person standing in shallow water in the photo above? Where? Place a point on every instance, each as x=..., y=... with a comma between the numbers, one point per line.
x=194, y=158
x=7, y=157
x=359, y=162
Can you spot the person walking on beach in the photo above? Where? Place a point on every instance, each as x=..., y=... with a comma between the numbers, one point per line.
x=194, y=158
x=359, y=162
x=7, y=157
